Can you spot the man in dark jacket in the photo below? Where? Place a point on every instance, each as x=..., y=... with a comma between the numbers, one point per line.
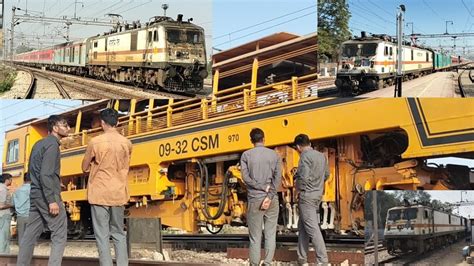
x=47, y=209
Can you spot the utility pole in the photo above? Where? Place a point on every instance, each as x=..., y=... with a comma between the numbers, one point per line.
x=399, y=77
x=408, y=23
x=376, y=227
x=447, y=21
x=12, y=32
x=68, y=25
x=75, y=4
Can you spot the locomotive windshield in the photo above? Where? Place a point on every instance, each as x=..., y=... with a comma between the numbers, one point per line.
x=359, y=49
x=394, y=215
x=405, y=214
x=173, y=35
x=184, y=36
x=193, y=36
x=410, y=213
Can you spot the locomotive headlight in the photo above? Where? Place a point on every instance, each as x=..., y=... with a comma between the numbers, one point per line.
x=203, y=73
x=171, y=72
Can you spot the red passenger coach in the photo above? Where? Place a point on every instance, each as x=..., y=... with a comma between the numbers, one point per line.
x=45, y=56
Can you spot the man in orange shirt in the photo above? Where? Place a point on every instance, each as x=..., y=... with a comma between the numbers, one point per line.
x=107, y=160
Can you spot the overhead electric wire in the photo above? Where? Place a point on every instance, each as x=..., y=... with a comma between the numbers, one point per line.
x=468, y=10
x=105, y=9
x=374, y=4
x=267, y=28
x=135, y=7
x=263, y=22
x=380, y=25
x=374, y=14
x=13, y=104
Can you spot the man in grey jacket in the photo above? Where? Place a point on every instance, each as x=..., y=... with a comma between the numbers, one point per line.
x=261, y=172
x=312, y=172
x=47, y=208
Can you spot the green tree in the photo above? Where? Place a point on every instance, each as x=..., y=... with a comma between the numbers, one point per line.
x=23, y=49
x=442, y=206
x=385, y=201
x=413, y=196
x=333, y=27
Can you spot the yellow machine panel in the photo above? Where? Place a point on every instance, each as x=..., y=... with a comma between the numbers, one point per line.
x=185, y=159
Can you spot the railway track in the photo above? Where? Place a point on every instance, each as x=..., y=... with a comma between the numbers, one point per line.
x=40, y=86
x=222, y=242
x=371, y=249
x=98, y=89
x=234, y=245
x=412, y=258
x=466, y=81
x=83, y=261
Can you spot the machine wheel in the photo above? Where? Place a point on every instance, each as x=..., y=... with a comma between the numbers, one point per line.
x=380, y=84
x=214, y=229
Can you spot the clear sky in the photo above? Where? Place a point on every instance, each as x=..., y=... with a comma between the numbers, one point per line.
x=143, y=10
x=14, y=111
x=455, y=196
x=237, y=22
x=427, y=16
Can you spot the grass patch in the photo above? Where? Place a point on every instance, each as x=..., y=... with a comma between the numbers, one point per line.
x=7, y=79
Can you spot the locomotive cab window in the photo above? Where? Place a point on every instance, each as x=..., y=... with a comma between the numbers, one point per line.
x=426, y=214
x=95, y=44
x=410, y=213
x=173, y=35
x=427, y=57
x=412, y=55
x=394, y=215
x=391, y=50
x=386, y=50
x=193, y=37
x=155, y=35
x=150, y=34
x=12, y=152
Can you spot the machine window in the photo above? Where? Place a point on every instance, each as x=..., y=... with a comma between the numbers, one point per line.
x=155, y=36
x=13, y=150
